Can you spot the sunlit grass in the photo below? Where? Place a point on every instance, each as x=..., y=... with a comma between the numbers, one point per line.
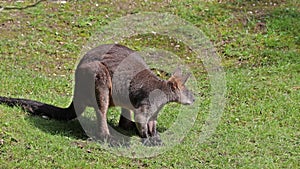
x=257, y=41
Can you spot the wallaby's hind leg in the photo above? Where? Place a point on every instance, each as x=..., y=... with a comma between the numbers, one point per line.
x=101, y=111
x=102, y=92
x=92, y=88
x=125, y=120
x=84, y=91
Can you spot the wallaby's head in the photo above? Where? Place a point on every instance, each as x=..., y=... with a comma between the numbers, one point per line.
x=180, y=93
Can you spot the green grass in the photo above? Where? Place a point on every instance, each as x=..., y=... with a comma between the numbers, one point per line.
x=257, y=41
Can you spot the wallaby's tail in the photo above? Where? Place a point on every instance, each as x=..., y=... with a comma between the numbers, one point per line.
x=41, y=109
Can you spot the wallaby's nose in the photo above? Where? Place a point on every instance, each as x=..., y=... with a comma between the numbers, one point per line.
x=192, y=98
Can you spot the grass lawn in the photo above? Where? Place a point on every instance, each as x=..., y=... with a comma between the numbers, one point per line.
x=257, y=41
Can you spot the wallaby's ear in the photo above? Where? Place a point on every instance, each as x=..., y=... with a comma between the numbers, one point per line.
x=185, y=78
x=179, y=77
x=177, y=73
x=172, y=84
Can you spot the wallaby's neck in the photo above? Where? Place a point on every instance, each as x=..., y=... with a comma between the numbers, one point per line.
x=147, y=85
x=166, y=89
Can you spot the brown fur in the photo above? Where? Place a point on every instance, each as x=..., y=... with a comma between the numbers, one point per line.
x=102, y=78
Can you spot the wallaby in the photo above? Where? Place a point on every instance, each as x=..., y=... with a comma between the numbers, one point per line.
x=114, y=75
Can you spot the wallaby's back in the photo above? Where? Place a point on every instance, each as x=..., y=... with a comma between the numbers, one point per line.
x=111, y=55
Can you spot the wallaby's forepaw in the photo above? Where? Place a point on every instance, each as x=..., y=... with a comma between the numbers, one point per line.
x=152, y=141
